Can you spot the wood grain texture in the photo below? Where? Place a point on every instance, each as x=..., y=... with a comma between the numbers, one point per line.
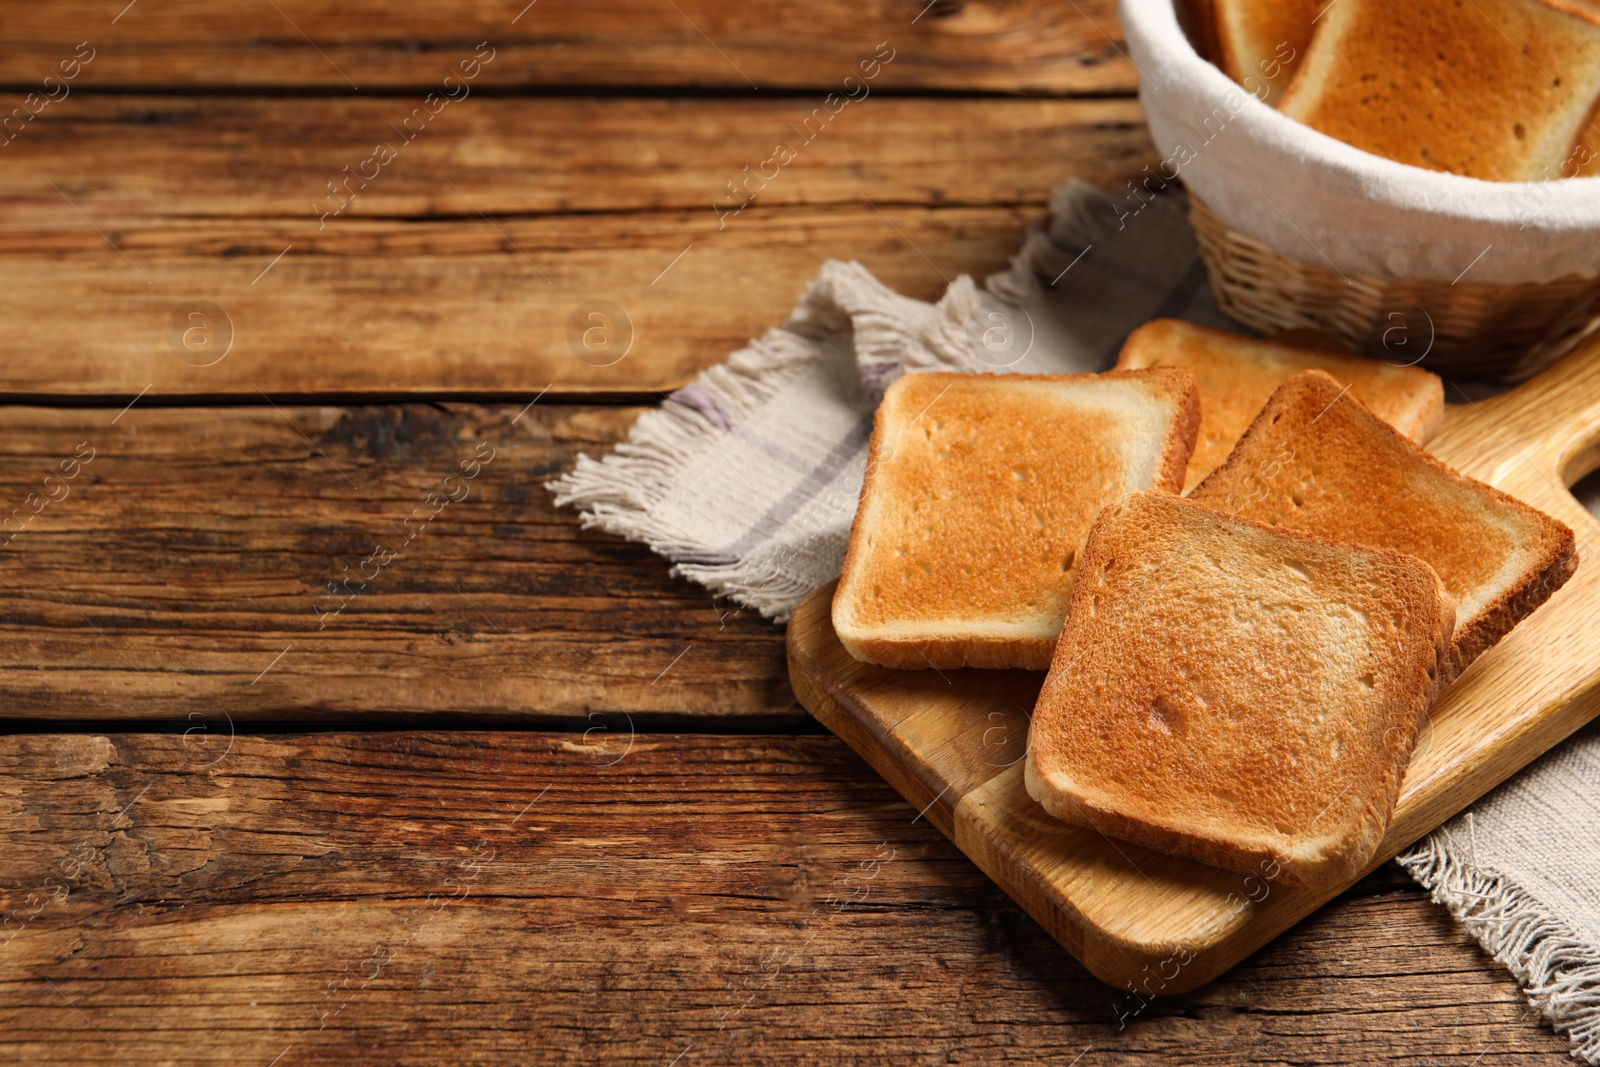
x=461, y=269
x=542, y=898
x=194, y=546
x=1002, y=46
x=448, y=309
x=188, y=157
x=1141, y=920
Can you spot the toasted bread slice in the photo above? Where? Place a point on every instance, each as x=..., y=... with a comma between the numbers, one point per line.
x=1236, y=375
x=1259, y=42
x=1494, y=89
x=978, y=493
x=1317, y=461
x=1198, y=20
x=1235, y=694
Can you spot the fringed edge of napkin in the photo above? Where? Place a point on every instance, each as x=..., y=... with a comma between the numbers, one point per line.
x=845, y=307
x=1559, y=972
x=846, y=314
x=1081, y=216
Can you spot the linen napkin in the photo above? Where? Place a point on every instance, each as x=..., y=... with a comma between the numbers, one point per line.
x=747, y=480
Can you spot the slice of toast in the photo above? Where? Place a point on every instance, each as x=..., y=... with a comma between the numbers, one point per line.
x=1198, y=20
x=978, y=494
x=1236, y=375
x=1260, y=42
x=1494, y=89
x=1318, y=462
x=1234, y=694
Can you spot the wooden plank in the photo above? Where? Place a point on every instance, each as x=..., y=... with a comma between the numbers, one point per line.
x=520, y=897
x=955, y=741
x=126, y=234
x=214, y=565
x=1025, y=46
x=184, y=157
x=445, y=309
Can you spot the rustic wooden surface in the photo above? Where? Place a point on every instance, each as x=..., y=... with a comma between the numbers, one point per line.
x=535, y=898
x=187, y=880
x=198, y=544
x=1005, y=46
x=953, y=742
x=173, y=157
x=485, y=235
x=373, y=309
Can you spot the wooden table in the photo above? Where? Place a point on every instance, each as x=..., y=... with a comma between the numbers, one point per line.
x=522, y=798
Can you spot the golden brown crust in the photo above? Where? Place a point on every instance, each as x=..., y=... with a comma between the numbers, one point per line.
x=1227, y=55
x=1583, y=9
x=1423, y=422
x=1237, y=374
x=1557, y=562
x=868, y=651
x=1585, y=151
x=1361, y=481
x=1258, y=42
x=1501, y=103
x=1094, y=761
x=1198, y=18
x=1180, y=445
x=953, y=653
x=935, y=575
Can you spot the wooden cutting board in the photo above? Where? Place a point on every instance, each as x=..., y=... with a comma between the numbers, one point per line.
x=952, y=743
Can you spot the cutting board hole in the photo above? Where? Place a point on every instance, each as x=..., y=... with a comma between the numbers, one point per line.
x=1586, y=491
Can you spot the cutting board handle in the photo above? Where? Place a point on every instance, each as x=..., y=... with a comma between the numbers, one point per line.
x=1551, y=420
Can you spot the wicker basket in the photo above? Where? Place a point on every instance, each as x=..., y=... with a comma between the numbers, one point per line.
x=1496, y=332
